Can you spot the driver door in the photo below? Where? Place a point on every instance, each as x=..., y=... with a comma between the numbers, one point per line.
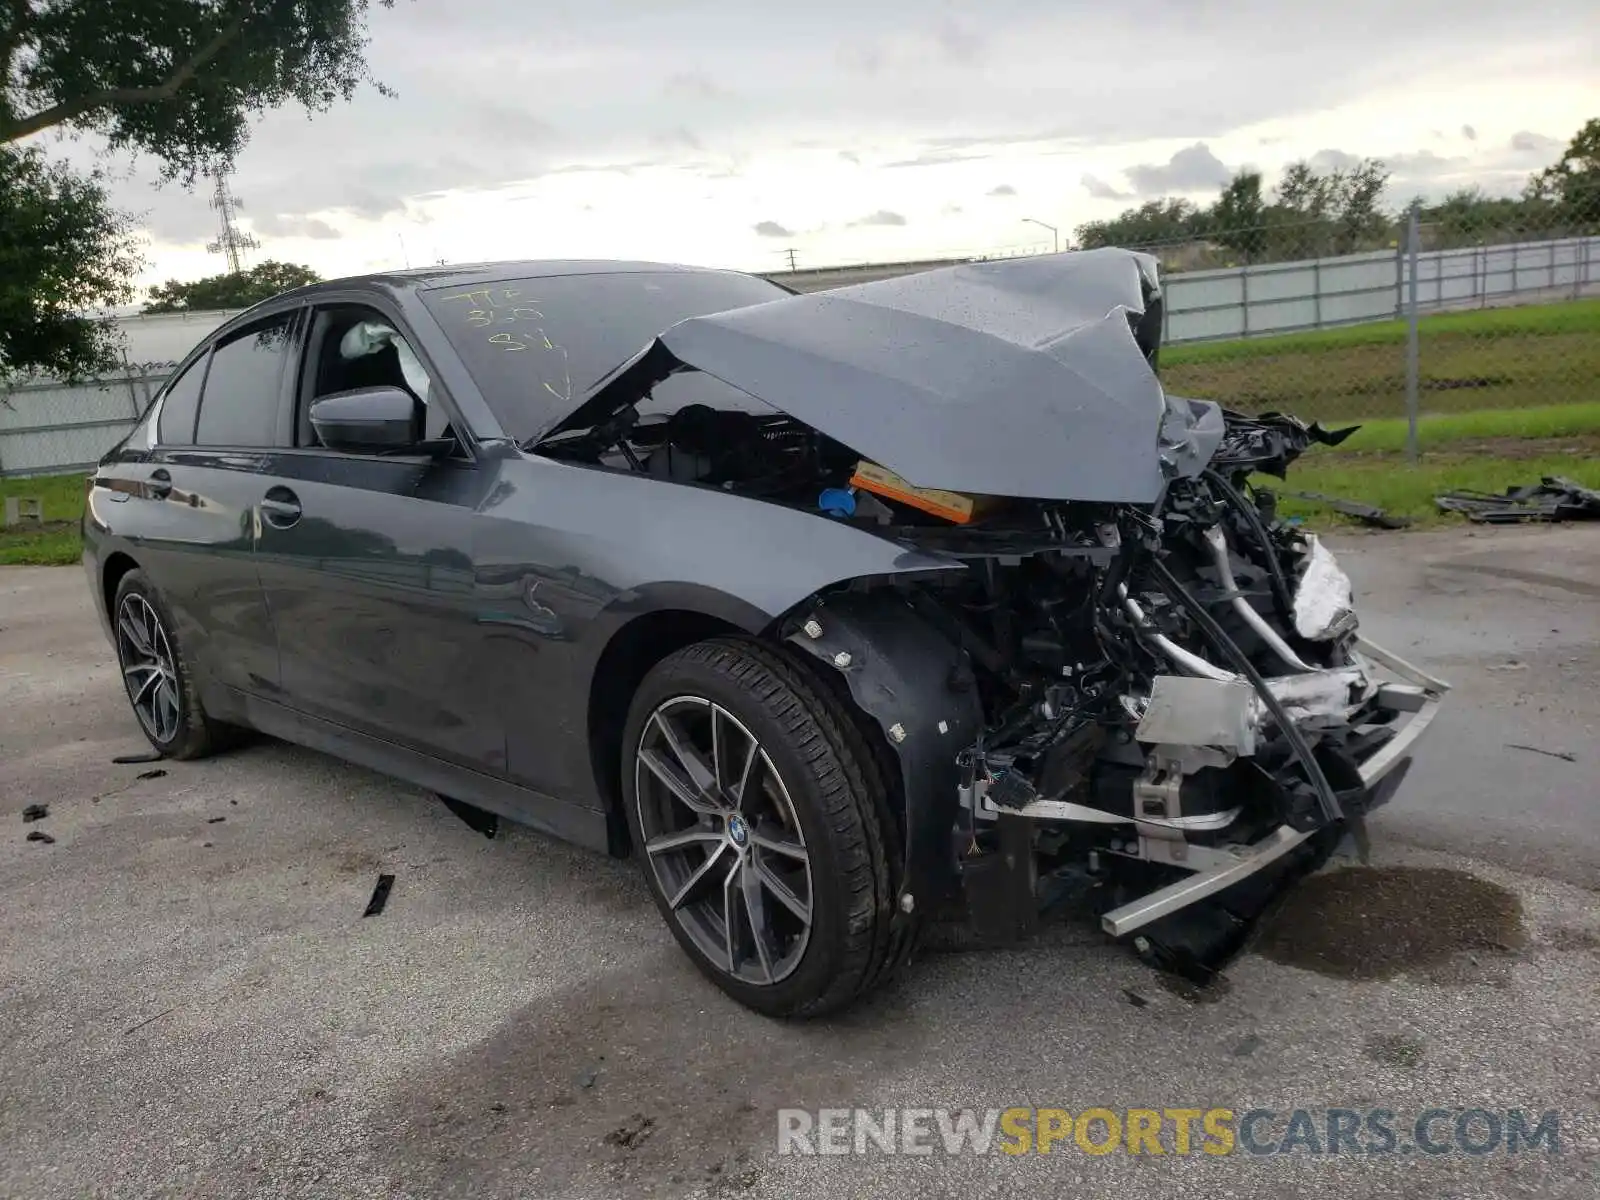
x=366, y=564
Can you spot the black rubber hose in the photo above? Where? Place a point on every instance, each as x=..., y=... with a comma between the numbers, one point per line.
x=1241, y=662
x=1280, y=583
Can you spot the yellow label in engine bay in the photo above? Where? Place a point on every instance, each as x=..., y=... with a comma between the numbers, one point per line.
x=952, y=506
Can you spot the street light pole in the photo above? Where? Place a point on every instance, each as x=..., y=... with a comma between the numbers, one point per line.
x=1054, y=235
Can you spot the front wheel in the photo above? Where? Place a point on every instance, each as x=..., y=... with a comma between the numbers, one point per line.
x=759, y=813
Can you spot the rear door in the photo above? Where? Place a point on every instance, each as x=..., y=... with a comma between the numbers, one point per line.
x=193, y=528
x=366, y=562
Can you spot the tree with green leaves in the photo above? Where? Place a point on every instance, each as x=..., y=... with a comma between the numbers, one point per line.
x=1329, y=212
x=1239, y=216
x=178, y=80
x=1571, y=185
x=240, y=290
x=64, y=251
x=1151, y=224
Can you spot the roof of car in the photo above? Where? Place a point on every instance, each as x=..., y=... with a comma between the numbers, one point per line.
x=457, y=274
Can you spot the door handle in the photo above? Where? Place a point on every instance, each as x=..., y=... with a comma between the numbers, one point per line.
x=280, y=507
x=160, y=485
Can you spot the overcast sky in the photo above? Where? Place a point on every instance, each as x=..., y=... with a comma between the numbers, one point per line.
x=726, y=131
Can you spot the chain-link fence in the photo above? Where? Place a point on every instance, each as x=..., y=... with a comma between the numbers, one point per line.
x=48, y=426
x=1452, y=315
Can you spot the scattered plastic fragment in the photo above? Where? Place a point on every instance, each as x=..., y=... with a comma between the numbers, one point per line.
x=39, y=835
x=1553, y=498
x=380, y=896
x=1561, y=754
x=151, y=774
x=148, y=1021
x=35, y=812
x=1371, y=514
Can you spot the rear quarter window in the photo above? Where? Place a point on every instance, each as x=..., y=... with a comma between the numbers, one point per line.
x=179, y=404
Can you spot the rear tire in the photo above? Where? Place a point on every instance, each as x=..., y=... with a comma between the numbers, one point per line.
x=158, y=678
x=754, y=800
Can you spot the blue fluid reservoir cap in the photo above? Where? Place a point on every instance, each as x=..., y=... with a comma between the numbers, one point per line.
x=838, y=502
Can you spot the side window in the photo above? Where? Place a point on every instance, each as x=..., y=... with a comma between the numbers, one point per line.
x=240, y=406
x=182, y=400
x=359, y=348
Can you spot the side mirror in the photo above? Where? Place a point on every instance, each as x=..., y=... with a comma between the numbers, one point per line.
x=369, y=420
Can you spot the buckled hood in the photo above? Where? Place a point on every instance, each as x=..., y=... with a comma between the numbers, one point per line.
x=1030, y=377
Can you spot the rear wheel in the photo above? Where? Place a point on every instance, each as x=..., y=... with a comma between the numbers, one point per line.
x=758, y=813
x=156, y=674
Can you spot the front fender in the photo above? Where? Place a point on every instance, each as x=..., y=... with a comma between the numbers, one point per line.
x=919, y=687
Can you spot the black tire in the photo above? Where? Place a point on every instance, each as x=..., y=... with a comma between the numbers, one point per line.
x=831, y=783
x=191, y=734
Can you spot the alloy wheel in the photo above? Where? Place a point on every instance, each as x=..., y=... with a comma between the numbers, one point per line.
x=723, y=839
x=145, y=654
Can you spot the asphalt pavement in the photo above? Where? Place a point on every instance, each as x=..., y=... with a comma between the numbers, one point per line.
x=191, y=1003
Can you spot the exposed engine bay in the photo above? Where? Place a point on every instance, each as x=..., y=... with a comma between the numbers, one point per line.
x=1168, y=702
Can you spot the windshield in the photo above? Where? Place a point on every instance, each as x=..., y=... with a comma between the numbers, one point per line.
x=536, y=347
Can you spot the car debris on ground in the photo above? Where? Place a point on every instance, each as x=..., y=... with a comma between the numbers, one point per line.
x=1553, y=498
x=380, y=896
x=1368, y=514
x=35, y=812
x=143, y=756
x=1561, y=754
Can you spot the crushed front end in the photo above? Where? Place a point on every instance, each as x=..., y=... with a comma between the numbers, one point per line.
x=1168, y=709
x=1104, y=661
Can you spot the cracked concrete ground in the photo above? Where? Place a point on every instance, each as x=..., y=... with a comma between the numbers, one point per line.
x=191, y=1004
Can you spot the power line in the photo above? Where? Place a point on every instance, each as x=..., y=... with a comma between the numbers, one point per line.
x=791, y=253
x=231, y=241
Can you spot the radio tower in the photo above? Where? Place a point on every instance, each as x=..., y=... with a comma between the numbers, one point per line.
x=231, y=241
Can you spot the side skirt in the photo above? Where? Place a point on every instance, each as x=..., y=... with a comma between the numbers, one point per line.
x=570, y=822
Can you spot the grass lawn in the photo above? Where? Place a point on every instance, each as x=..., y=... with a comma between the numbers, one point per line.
x=1386, y=479
x=1491, y=428
x=57, y=541
x=1500, y=358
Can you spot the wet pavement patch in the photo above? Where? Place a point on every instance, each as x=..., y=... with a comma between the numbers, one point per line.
x=639, y=1080
x=1376, y=922
x=1395, y=1049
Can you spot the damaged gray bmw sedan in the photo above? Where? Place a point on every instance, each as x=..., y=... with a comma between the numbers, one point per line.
x=848, y=614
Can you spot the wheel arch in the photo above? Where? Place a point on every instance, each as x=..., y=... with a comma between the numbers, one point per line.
x=631, y=652
x=912, y=688
x=118, y=563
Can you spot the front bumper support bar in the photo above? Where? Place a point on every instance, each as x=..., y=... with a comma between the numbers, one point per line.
x=1419, y=694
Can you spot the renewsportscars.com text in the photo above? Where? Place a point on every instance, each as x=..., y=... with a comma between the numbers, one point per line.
x=1155, y=1131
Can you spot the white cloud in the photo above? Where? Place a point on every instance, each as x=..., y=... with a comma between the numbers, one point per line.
x=1526, y=142
x=882, y=217
x=1101, y=190
x=1193, y=169
x=673, y=132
